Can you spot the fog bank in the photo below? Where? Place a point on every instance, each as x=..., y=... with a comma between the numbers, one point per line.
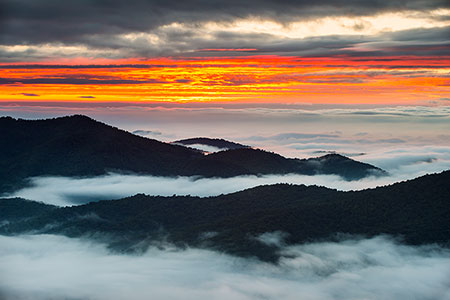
x=56, y=267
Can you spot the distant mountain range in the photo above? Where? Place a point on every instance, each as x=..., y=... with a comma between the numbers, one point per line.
x=80, y=146
x=417, y=211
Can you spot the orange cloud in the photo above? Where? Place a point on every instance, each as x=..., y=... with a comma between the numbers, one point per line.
x=374, y=80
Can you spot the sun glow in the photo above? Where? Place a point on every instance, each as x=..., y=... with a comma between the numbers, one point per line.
x=243, y=79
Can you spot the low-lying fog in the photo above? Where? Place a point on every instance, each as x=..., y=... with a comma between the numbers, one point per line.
x=55, y=267
x=401, y=164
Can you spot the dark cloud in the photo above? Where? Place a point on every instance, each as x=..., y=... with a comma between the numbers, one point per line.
x=397, y=113
x=183, y=80
x=110, y=66
x=76, y=81
x=49, y=21
x=30, y=94
x=334, y=80
x=421, y=34
x=101, y=24
x=375, y=113
x=87, y=97
x=186, y=41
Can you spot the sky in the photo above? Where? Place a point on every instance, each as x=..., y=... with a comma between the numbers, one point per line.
x=231, y=52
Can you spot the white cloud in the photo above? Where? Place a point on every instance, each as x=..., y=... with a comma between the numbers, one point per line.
x=203, y=147
x=65, y=191
x=55, y=267
x=342, y=25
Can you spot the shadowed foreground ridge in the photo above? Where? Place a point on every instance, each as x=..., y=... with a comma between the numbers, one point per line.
x=80, y=146
x=415, y=210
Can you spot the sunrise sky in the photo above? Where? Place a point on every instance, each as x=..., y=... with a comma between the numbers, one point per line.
x=365, y=79
x=269, y=52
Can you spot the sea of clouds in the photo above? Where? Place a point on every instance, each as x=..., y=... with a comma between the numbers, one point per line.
x=42, y=267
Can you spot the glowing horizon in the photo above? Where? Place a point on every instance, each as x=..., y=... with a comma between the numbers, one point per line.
x=281, y=52
x=346, y=80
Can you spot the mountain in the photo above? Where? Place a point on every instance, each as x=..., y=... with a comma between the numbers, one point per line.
x=248, y=161
x=80, y=146
x=416, y=210
x=347, y=168
x=217, y=143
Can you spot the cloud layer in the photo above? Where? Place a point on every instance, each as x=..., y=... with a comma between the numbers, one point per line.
x=55, y=267
x=41, y=29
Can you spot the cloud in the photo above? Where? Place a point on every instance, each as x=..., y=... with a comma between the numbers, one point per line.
x=141, y=16
x=147, y=132
x=275, y=238
x=152, y=28
x=56, y=267
x=185, y=40
x=30, y=94
x=77, y=81
x=202, y=147
x=410, y=157
x=86, y=97
x=292, y=136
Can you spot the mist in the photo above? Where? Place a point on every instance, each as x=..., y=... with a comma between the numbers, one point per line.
x=402, y=164
x=56, y=267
